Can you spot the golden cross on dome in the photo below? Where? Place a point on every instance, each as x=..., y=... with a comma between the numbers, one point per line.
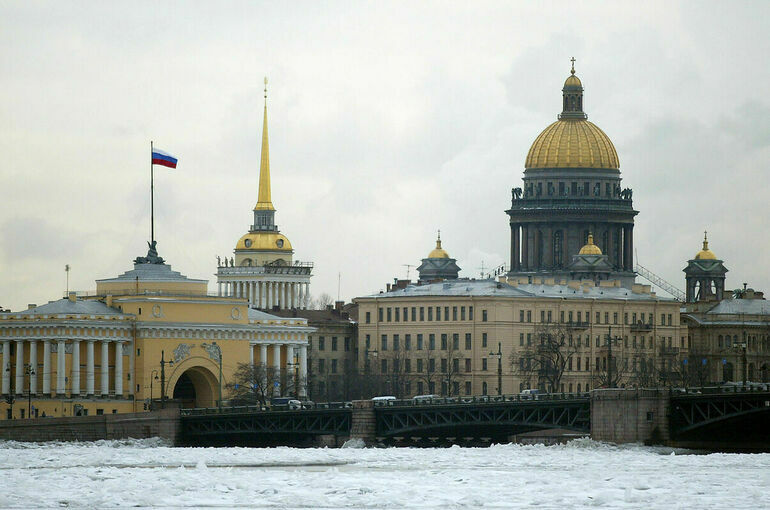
x=573, y=65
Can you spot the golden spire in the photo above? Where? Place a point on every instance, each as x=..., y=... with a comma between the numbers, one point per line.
x=573, y=65
x=438, y=252
x=263, y=197
x=705, y=253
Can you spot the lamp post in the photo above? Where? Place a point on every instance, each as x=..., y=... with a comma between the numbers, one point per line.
x=295, y=367
x=743, y=349
x=610, y=382
x=499, y=355
x=219, y=356
x=29, y=371
x=10, y=398
x=153, y=376
x=163, y=363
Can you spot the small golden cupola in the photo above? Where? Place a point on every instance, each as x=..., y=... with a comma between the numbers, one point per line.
x=438, y=252
x=590, y=248
x=705, y=253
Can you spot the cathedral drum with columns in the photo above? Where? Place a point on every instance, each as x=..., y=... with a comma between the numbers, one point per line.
x=572, y=189
x=262, y=270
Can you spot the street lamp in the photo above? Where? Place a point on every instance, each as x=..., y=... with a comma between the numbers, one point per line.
x=29, y=371
x=153, y=376
x=10, y=398
x=295, y=367
x=499, y=355
x=163, y=363
x=219, y=356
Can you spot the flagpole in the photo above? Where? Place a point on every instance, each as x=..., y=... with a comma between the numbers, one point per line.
x=152, y=200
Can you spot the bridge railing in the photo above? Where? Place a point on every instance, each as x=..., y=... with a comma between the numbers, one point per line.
x=479, y=399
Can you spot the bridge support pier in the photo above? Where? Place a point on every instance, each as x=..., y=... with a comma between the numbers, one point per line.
x=364, y=422
x=630, y=415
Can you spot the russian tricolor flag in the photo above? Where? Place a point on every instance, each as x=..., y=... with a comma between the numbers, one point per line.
x=163, y=158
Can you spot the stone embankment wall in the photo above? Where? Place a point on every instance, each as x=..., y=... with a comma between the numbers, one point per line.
x=363, y=422
x=164, y=423
x=630, y=415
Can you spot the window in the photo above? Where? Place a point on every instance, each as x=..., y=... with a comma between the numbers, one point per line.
x=483, y=316
x=396, y=345
x=384, y=366
x=407, y=365
x=406, y=314
x=456, y=365
x=444, y=344
x=484, y=388
x=431, y=365
x=419, y=341
x=430, y=313
x=483, y=339
x=438, y=313
x=389, y=314
x=579, y=319
x=334, y=366
x=347, y=344
x=529, y=315
x=561, y=316
x=578, y=365
x=455, y=341
x=615, y=317
x=368, y=341
x=420, y=387
x=334, y=343
x=419, y=365
x=588, y=365
x=529, y=338
x=414, y=314
x=379, y=314
x=542, y=315
x=321, y=365
x=431, y=342
x=454, y=313
x=521, y=339
x=321, y=343
x=384, y=346
x=669, y=320
x=470, y=313
x=625, y=318
x=467, y=364
x=398, y=314
x=368, y=317
x=606, y=317
x=521, y=315
x=467, y=341
x=455, y=387
x=483, y=363
x=663, y=319
x=598, y=318
x=446, y=313
x=467, y=387
x=462, y=313
x=422, y=313
x=407, y=342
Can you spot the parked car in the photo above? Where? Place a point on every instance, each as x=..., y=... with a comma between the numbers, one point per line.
x=386, y=400
x=424, y=399
x=308, y=404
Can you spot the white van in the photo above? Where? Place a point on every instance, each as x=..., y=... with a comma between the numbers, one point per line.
x=387, y=400
x=530, y=394
x=424, y=399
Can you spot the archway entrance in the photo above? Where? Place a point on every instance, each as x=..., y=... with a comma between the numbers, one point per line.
x=196, y=387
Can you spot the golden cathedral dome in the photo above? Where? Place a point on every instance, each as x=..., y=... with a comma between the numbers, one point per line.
x=572, y=141
x=590, y=248
x=438, y=252
x=705, y=253
x=264, y=241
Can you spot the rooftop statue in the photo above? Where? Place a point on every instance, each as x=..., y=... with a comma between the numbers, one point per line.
x=152, y=255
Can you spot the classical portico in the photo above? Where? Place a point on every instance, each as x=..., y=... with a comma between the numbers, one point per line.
x=262, y=269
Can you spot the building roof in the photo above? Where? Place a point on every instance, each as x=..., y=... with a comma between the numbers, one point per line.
x=493, y=288
x=741, y=306
x=67, y=307
x=153, y=272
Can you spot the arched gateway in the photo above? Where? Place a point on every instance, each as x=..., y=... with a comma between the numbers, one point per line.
x=196, y=386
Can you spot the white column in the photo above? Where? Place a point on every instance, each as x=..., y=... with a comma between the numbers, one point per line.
x=268, y=288
x=6, y=368
x=263, y=362
x=75, y=377
x=303, y=371
x=253, y=300
x=290, y=373
x=105, y=382
x=251, y=354
x=277, y=368
x=119, y=369
x=61, y=368
x=307, y=295
x=219, y=288
x=33, y=364
x=19, y=367
x=131, y=375
x=295, y=293
x=46, y=367
x=300, y=288
x=90, y=367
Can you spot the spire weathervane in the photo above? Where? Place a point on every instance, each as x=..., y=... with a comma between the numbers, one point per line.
x=573, y=65
x=265, y=88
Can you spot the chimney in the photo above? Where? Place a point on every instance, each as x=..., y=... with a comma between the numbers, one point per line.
x=31, y=306
x=72, y=297
x=338, y=305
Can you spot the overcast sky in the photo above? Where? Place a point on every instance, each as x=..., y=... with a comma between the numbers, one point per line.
x=388, y=121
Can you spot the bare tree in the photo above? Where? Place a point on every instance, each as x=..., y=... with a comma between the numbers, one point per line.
x=450, y=365
x=692, y=370
x=251, y=384
x=647, y=374
x=613, y=371
x=546, y=360
x=426, y=366
x=397, y=378
x=320, y=302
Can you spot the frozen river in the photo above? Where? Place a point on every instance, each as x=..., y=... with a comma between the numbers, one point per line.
x=582, y=474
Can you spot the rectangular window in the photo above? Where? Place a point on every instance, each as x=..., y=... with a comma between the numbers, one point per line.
x=529, y=338
x=455, y=341
x=334, y=366
x=431, y=342
x=483, y=339
x=521, y=315
x=407, y=365
x=542, y=316
x=396, y=344
x=347, y=344
x=625, y=318
x=633, y=318
x=368, y=341
x=470, y=313
x=606, y=317
x=483, y=363
x=467, y=341
x=368, y=317
x=598, y=318
x=379, y=314
x=615, y=317
x=578, y=363
x=422, y=314
x=390, y=316
x=569, y=364
x=521, y=339
x=430, y=313
x=483, y=316
x=334, y=343
x=454, y=313
x=467, y=387
x=549, y=316
x=456, y=365
x=444, y=344
x=321, y=343
x=406, y=314
x=561, y=316
x=414, y=314
x=407, y=342
x=321, y=365
x=396, y=365
x=419, y=341
x=438, y=313
x=384, y=366
x=398, y=314
x=578, y=317
x=467, y=364
x=569, y=316
x=431, y=365
x=588, y=364
x=669, y=320
x=446, y=313
x=462, y=313
x=529, y=315
x=419, y=365
x=384, y=346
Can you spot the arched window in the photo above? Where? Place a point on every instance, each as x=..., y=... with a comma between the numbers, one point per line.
x=539, y=241
x=727, y=372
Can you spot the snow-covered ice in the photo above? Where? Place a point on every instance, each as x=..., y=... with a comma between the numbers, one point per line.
x=581, y=474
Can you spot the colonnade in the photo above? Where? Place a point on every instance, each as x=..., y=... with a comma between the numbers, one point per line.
x=56, y=380
x=298, y=368
x=267, y=294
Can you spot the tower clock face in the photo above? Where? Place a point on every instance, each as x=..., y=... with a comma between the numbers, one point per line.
x=247, y=242
x=279, y=243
